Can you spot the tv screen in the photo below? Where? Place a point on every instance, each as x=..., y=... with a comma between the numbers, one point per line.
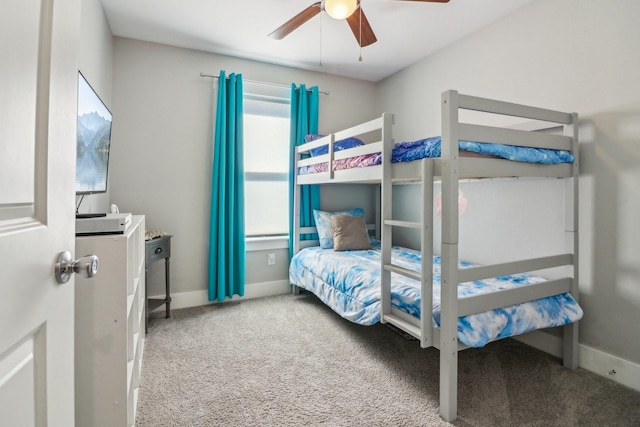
x=93, y=141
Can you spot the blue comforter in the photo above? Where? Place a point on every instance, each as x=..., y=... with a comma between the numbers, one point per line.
x=349, y=283
x=430, y=147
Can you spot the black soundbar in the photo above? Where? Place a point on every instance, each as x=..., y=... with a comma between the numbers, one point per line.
x=90, y=215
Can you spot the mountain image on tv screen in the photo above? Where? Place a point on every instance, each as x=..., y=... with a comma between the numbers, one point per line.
x=93, y=140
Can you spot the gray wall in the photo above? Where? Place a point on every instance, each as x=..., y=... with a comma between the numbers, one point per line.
x=571, y=55
x=162, y=139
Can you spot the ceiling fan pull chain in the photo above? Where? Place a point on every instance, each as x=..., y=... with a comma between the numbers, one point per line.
x=360, y=41
x=321, y=41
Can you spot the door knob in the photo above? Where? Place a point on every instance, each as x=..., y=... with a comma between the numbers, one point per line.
x=86, y=266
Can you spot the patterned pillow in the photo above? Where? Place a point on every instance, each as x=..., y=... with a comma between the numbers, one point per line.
x=324, y=227
x=337, y=145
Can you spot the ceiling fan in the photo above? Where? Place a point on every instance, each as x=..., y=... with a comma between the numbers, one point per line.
x=337, y=9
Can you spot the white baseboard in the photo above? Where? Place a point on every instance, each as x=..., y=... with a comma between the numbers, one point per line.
x=612, y=367
x=251, y=290
x=619, y=370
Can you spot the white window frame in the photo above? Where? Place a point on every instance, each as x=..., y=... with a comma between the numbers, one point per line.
x=279, y=95
x=266, y=243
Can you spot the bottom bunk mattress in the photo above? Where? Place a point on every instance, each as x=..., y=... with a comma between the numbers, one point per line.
x=349, y=283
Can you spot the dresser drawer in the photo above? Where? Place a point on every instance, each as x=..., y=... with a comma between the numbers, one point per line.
x=157, y=249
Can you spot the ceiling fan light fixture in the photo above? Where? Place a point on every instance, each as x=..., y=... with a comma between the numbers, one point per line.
x=340, y=9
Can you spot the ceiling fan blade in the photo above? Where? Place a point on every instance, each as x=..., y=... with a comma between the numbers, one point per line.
x=296, y=21
x=366, y=37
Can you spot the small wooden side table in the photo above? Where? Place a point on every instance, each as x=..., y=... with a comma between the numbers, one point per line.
x=155, y=250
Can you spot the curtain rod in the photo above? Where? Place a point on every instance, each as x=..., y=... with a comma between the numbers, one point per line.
x=324, y=92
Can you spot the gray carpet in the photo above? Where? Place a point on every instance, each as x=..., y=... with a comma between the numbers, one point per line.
x=290, y=361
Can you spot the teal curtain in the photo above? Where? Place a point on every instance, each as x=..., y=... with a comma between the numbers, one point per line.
x=226, y=232
x=304, y=121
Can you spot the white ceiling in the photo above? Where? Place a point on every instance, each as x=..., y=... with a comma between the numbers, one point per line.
x=406, y=31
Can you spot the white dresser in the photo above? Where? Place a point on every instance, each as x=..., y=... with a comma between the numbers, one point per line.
x=110, y=326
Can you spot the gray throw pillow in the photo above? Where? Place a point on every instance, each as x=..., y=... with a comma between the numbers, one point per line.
x=349, y=233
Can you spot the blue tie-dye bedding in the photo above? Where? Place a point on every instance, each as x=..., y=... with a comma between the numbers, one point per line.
x=431, y=148
x=349, y=283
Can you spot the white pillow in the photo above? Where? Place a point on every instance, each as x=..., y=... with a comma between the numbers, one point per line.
x=324, y=227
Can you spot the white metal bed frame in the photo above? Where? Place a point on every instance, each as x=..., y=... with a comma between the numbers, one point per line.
x=449, y=169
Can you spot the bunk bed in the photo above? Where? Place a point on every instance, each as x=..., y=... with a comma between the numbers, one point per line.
x=440, y=329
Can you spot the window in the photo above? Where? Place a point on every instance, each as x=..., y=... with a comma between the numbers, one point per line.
x=266, y=160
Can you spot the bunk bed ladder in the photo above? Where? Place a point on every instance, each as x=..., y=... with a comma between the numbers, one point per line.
x=423, y=329
x=386, y=188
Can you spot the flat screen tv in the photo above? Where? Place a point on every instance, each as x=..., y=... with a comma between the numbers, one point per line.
x=93, y=140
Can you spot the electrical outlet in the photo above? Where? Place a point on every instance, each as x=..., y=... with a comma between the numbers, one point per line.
x=271, y=258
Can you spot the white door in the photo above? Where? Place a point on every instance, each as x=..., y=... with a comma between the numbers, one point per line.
x=38, y=85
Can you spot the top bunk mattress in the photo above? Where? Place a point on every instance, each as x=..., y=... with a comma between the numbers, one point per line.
x=431, y=148
x=349, y=283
